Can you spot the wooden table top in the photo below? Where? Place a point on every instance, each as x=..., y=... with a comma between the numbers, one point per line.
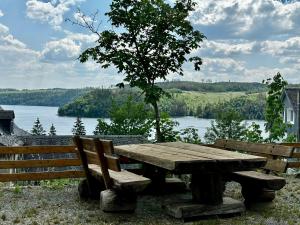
x=186, y=158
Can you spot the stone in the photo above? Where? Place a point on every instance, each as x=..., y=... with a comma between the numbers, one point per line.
x=117, y=201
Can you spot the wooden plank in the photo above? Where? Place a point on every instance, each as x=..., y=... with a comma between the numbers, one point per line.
x=293, y=165
x=6, y=164
x=92, y=157
x=123, y=179
x=88, y=144
x=6, y=177
x=113, y=162
x=108, y=147
x=37, y=149
x=296, y=145
x=279, y=150
x=267, y=180
x=296, y=155
x=187, y=152
x=155, y=156
x=187, y=209
x=214, y=152
x=276, y=165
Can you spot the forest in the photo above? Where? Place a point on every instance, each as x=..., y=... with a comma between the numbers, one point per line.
x=187, y=99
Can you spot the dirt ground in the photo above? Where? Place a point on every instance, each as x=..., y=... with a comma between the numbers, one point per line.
x=61, y=205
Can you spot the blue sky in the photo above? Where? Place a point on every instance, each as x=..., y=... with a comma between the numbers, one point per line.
x=247, y=40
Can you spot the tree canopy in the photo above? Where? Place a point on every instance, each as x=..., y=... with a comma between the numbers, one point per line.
x=150, y=39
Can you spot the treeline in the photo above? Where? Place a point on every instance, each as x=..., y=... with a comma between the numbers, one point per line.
x=40, y=97
x=98, y=103
x=215, y=87
x=251, y=107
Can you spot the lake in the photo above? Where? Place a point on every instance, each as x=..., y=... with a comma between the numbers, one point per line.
x=26, y=116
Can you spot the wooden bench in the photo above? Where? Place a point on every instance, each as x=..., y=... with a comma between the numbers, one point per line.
x=118, y=187
x=261, y=185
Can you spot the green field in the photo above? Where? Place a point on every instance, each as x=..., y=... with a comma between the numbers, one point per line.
x=194, y=99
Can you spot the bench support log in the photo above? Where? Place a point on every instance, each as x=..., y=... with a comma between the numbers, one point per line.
x=254, y=193
x=118, y=201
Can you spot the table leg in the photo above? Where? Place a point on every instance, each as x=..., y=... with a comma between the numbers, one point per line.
x=207, y=188
x=207, y=199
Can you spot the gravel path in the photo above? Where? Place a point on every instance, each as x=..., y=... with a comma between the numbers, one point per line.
x=61, y=205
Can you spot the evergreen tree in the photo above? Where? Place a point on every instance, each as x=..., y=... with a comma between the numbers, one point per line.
x=37, y=128
x=78, y=128
x=52, y=130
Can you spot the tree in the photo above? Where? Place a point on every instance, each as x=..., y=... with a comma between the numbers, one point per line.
x=275, y=125
x=168, y=132
x=37, y=128
x=128, y=119
x=149, y=40
x=253, y=134
x=52, y=131
x=78, y=128
x=189, y=135
x=228, y=125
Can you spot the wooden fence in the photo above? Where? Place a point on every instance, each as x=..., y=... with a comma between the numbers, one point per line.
x=15, y=160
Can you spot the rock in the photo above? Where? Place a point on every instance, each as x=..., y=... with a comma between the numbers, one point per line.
x=117, y=201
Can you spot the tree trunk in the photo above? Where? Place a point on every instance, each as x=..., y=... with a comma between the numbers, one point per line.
x=157, y=122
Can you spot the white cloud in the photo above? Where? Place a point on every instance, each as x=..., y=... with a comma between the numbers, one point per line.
x=227, y=48
x=68, y=48
x=1, y=13
x=51, y=12
x=247, y=19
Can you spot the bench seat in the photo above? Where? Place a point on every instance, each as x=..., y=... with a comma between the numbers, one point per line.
x=265, y=180
x=122, y=179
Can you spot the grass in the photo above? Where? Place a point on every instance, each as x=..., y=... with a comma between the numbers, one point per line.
x=194, y=99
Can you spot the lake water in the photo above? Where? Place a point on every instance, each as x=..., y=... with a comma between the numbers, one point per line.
x=26, y=116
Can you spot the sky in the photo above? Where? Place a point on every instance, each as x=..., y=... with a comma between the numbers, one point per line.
x=247, y=41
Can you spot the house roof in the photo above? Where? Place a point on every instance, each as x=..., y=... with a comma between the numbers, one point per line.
x=7, y=114
x=291, y=94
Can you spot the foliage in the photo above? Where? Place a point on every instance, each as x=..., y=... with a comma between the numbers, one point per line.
x=37, y=128
x=128, y=119
x=228, y=125
x=274, y=109
x=189, y=135
x=253, y=134
x=97, y=103
x=168, y=132
x=78, y=128
x=290, y=138
x=214, y=87
x=52, y=131
x=40, y=97
x=251, y=107
x=152, y=41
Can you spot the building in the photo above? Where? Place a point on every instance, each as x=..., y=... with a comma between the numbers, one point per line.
x=6, y=121
x=291, y=99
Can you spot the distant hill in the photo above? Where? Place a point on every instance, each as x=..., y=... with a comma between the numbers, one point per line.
x=214, y=87
x=40, y=97
x=188, y=99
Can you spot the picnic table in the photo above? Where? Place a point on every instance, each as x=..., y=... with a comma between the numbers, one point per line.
x=208, y=167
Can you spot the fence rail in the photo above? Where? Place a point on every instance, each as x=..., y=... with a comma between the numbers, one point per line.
x=16, y=161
